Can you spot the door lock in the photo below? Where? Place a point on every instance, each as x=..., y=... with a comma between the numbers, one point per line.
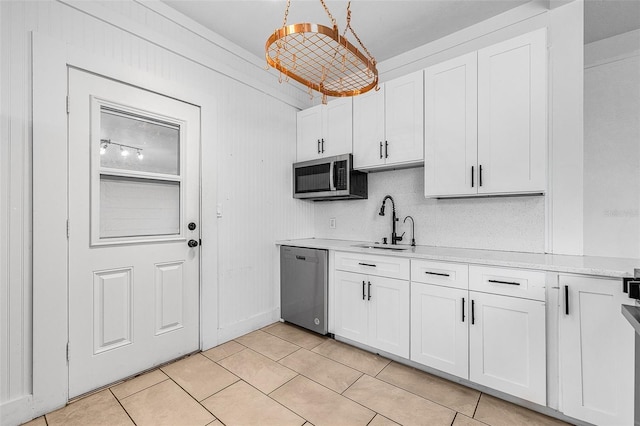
x=192, y=243
x=191, y=226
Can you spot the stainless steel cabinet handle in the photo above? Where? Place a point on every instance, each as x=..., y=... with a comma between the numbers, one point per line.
x=566, y=300
x=369, y=291
x=367, y=264
x=463, y=309
x=386, y=149
x=363, y=284
x=473, y=311
x=437, y=273
x=480, y=175
x=380, y=149
x=318, y=146
x=503, y=282
x=322, y=144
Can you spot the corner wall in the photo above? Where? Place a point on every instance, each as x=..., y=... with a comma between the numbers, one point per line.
x=612, y=146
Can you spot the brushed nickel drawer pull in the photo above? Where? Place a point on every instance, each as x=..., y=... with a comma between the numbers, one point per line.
x=367, y=264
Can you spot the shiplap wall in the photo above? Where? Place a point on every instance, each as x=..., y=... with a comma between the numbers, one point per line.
x=256, y=137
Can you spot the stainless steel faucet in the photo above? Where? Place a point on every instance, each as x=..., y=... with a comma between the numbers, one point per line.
x=394, y=219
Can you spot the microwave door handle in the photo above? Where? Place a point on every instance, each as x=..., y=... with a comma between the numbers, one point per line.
x=331, y=182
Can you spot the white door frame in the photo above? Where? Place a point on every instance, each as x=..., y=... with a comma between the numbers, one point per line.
x=50, y=245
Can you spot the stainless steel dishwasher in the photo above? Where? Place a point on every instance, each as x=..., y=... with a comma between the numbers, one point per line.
x=303, y=287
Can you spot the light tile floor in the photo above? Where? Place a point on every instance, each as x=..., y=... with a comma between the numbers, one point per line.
x=284, y=375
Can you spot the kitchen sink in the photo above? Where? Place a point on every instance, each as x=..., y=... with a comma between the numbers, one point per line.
x=381, y=247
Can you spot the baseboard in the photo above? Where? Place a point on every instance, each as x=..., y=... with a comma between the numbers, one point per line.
x=230, y=332
x=17, y=411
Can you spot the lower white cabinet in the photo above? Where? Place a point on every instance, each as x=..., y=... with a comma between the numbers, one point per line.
x=373, y=311
x=439, y=331
x=596, y=352
x=507, y=345
x=495, y=340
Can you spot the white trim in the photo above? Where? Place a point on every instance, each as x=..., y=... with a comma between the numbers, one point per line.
x=250, y=324
x=208, y=61
x=17, y=411
x=612, y=49
x=517, y=21
x=50, y=260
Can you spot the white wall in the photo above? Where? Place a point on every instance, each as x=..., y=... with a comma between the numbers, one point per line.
x=612, y=146
x=513, y=224
x=256, y=134
x=551, y=224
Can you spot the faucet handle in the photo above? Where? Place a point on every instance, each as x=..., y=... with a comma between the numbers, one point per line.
x=384, y=240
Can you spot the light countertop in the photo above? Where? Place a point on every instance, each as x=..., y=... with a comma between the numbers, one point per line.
x=585, y=265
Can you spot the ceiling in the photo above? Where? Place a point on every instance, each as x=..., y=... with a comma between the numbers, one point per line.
x=387, y=27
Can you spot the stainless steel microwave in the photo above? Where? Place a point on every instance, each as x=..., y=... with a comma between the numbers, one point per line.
x=329, y=178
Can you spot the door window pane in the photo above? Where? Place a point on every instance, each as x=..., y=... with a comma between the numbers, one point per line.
x=130, y=142
x=132, y=207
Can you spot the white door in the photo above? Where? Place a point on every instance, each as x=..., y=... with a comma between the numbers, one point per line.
x=451, y=126
x=507, y=350
x=368, y=129
x=351, y=306
x=389, y=315
x=404, y=118
x=337, y=126
x=309, y=137
x=133, y=195
x=596, y=352
x=439, y=330
x=512, y=129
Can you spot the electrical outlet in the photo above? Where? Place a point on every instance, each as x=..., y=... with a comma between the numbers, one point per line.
x=332, y=223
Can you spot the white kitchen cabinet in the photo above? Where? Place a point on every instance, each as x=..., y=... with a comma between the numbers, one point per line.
x=439, y=330
x=596, y=352
x=507, y=345
x=497, y=97
x=373, y=311
x=451, y=126
x=325, y=130
x=388, y=124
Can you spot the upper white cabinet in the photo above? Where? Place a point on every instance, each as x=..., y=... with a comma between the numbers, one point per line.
x=485, y=120
x=388, y=124
x=325, y=130
x=596, y=352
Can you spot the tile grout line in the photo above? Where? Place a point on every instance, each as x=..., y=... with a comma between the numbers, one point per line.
x=148, y=387
x=225, y=357
x=120, y=404
x=278, y=402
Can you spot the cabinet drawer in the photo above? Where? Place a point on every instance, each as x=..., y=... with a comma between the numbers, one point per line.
x=370, y=264
x=440, y=273
x=509, y=282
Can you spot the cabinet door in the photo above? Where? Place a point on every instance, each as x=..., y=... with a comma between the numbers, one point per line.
x=368, y=129
x=451, y=125
x=507, y=345
x=338, y=127
x=309, y=136
x=439, y=331
x=512, y=130
x=404, y=119
x=389, y=315
x=351, y=306
x=596, y=352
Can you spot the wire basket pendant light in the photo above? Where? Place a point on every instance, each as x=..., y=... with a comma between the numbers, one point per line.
x=322, y=59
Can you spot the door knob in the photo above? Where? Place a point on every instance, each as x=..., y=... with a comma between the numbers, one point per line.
x=191, y=226
x=192, y=243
